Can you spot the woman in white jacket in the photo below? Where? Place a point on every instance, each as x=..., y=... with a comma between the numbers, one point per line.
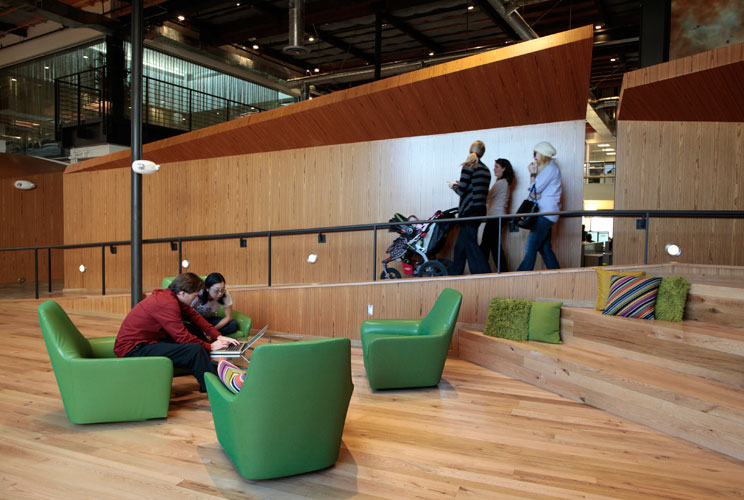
x=545, y=177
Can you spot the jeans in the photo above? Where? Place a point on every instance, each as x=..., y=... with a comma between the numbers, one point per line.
x=539, y=241
x=466, y=248
x=230, y=327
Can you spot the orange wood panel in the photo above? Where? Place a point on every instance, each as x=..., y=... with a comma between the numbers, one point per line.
x=538, y=81
x=30, y=218
x=702, y=87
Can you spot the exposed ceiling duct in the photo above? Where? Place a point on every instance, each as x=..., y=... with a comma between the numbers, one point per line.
x=296, y=28
x=509, y=12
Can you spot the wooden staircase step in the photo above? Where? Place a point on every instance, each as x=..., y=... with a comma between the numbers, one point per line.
x=712, y=351
x=718, y=303
x=705, y=412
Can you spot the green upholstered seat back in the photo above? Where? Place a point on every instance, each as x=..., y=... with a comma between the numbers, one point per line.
x=62, y=338
x=169, y=279
x=443, y=315
x=290, y=413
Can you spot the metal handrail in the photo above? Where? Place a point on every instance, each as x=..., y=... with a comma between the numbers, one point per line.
x=642, y=215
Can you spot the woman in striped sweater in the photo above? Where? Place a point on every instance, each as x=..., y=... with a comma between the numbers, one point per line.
x=473, y=191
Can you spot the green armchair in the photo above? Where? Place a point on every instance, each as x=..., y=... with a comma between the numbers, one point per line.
x=289, y=416
x=243, y=320
x=95, y=385
x=400, y=353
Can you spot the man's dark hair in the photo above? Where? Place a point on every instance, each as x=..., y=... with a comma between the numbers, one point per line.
x=186, y=282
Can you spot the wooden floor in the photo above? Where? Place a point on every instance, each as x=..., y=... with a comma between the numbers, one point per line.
x=478, y=435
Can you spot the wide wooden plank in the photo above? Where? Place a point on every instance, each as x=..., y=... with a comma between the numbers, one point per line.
x=701, y=411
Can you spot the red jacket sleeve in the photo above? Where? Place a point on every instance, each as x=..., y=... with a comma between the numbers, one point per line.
x=170, y=320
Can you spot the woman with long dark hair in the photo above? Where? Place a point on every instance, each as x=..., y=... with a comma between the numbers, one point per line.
x=498, y=199
x=213, y=295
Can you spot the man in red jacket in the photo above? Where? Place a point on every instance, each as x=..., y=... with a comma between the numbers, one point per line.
x=155, y=328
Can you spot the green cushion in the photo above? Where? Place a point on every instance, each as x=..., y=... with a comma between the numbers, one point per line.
x=671, y=299
x=545, y=322
x=508, y=318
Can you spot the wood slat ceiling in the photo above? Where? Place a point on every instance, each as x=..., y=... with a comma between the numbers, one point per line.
x=478, y=92
x=703, y=87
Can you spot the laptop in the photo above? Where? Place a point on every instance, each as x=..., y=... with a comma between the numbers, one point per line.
x=239, y=349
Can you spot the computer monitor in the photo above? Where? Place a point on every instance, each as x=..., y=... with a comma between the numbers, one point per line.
x=602, y=236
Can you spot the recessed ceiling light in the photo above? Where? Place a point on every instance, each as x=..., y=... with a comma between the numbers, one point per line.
x=181, y=18
x=311, y=39
x=237, y=4
x=613, y=59
x=317, y=70
x=470, y=7
x=46, y=67
x=431, y=54
x=255, y=46
x=597, y=26
x=610, y=154
x=603, y=145
x=85, y=57
x=13, y=80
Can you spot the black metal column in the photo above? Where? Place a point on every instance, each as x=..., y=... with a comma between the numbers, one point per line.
x=378, y=45
x=655, y=26
x=136, y=276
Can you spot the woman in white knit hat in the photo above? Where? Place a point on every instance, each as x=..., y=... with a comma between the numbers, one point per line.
x=545, y=188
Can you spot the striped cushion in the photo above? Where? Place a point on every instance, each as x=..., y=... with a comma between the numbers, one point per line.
x=231, y=375
x=632, y=297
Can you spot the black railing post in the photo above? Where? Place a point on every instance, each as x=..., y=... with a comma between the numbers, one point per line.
x=103, y=269
x=268, y=237
x=78, y=101
x=49, y=267
x=374, y=253
x=136, y=151
x=180, y=255
x=498, y=255
x=191, y=96
x=36, y=271
x=645, y=254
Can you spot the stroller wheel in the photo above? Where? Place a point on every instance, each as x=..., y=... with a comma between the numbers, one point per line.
x=447, y=263
x=431, y=268
x=390, y=274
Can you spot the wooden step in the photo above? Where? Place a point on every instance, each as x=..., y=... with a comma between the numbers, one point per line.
x=718, y=303
x=711, y=351
x=705, y=412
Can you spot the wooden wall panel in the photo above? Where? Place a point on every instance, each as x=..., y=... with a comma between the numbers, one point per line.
x=324, y=186
x=680, y=166
x=30, y=218
x=337, y=310
x=499, y=88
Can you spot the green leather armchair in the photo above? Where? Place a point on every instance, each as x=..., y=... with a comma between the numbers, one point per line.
x=400, y=353
x=95, y=385
x=243, y=320
x=289, y=416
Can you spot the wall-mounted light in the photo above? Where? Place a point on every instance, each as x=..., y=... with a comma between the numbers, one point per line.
x=312, y=258
x=181, y=18
x=145, y=167
x=255, y=46
x=185, y=263
x=23, y=184
x=673, y=250
x=82, y=268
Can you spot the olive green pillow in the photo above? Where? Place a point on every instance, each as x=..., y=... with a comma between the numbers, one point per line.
x=508, y=318
x=670, y=301
x=545, y=322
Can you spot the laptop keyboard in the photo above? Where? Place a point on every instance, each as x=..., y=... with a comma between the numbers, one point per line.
x=233, y=347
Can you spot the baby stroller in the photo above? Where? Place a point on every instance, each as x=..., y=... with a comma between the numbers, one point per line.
x=418, y=244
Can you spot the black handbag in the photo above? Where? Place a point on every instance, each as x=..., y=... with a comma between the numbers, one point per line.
x=528, y=206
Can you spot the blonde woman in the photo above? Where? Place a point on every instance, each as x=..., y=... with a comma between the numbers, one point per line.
x=545, y=182
x=473, y=191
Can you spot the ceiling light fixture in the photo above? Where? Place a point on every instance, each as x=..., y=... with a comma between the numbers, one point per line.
x=317, y=70
x=597, y=26
x=181, y=18
x=255, y=46
x=603, y=145
x=613, y=59
x=431, y=54
x=470, y=7
x=311, y=39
